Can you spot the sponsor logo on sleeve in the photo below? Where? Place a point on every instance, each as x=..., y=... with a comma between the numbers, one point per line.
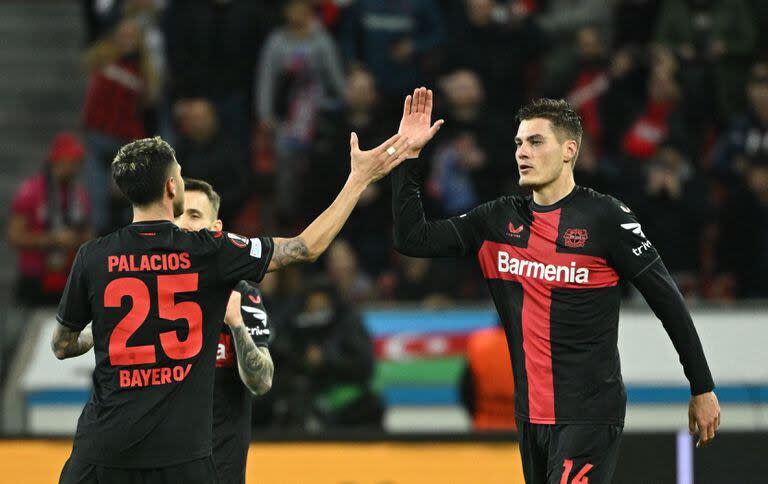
x=237, y=240
x=635, y=228
x=256, y=248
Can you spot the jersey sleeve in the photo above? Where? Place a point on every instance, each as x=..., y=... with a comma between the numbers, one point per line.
x=254, y=313
x=75, y=305
x=243, y=258
x=470, y=227
x=629, y=250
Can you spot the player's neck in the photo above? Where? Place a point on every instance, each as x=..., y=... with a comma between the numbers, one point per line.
x=555, y=191
x=156, y=211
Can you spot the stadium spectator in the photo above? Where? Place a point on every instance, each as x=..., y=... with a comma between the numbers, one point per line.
x=501, y=48
x=343, y=269
x=469, y=165
x=633, y=23
x=49, y=219
x=714, y=35
x=659, y=119
x=367, y=227
x=422, y=281
x=299, y=74
x=212, y=48
x=747, y=135
x=122, y=84
x=743, y=229
x=392, y=40
x=324, y=365
x=207, y=154
x=674, y=208
x=487, y=385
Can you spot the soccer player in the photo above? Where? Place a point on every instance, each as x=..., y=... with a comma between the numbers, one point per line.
x=157, y=295
x=243, y=359
x=553, y=262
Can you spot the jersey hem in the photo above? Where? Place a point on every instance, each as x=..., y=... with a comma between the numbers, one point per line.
x=570, y=421
x=144, y=465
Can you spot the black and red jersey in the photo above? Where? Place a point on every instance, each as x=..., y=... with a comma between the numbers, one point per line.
x=232, y=401
x=554, y=273
x=157, y=297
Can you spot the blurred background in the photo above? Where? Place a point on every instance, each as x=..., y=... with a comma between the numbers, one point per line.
x=259, y=96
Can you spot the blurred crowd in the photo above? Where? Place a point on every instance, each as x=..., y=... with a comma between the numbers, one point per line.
x=259, y=97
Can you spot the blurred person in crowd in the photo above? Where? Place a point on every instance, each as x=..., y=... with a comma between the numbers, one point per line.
x=553, y=262
x=207, y=153
x=716, y=36
x=487, y=386
x=122, y=84
x=391, y=39
x=465, y=166
x=212, y=48
x=598, y=172
x=583, y=79
x=500, y=42
x=742, y=251
x=325, y=365
x=244, y=365
x=747, y=135
x=421, y=281
x=299, y=74
x=633, y=23
x=673, y=204
x=367, y=228
x=659, y=120
x=343, y=271
x=561, y=19
x=49, y=220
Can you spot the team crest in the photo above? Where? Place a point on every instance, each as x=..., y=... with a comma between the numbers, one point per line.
x=237, y=240
x=575, y=238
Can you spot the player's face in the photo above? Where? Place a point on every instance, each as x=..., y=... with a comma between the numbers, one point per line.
x=178, y=200
x=540, y=156
x=198, y=213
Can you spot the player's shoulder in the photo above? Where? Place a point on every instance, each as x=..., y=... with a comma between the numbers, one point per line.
x=602, y=204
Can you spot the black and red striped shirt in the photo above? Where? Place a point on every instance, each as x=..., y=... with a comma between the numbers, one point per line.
x=554, y=274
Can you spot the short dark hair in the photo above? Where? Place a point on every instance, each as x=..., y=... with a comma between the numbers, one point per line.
x=566, y=123
x=141, y=168
x=195, y=185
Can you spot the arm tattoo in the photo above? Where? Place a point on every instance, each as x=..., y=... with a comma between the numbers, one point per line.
x=254, y=363
x=67, y=343
x=290, y=251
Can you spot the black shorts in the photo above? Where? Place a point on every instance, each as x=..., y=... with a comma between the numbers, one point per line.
x=198, y=471
x=569, y=453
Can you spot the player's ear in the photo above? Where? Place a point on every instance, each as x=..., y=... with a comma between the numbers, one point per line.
x=170, y=187
x=217, y=226
x=571, y=150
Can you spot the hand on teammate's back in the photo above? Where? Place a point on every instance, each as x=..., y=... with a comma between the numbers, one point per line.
x=704, y=412
x=233, y=317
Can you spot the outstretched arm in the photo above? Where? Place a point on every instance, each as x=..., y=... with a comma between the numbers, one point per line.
x=367, y=167
x=68, y=343
x=414, y=236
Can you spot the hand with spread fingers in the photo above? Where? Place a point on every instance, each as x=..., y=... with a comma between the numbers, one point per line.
x=372, y=165
x=417, y=116
x=704, y=413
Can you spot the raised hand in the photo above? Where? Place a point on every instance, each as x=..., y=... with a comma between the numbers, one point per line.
x=371, y=165
x=415, y=123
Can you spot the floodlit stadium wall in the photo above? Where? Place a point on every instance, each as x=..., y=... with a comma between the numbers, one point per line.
x=420, y=358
